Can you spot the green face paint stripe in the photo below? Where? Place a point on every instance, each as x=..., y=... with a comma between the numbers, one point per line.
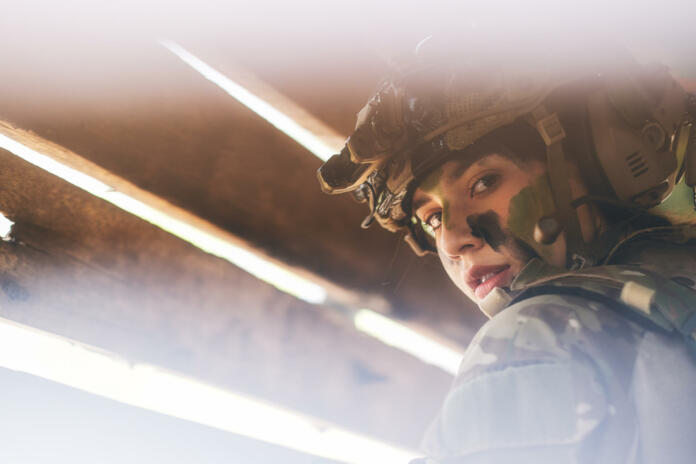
x=431, y=184
x=445, y=213
x=487, y=227
x=526, y=208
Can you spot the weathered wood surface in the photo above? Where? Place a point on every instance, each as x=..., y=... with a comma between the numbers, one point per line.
x=83, y=269
x=44, y=422
x=154, y=121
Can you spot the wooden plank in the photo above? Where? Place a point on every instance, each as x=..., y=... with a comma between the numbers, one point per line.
x=83, y=269
x=115, y=183
x=169, y=132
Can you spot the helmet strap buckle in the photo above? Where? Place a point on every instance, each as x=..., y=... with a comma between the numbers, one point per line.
x=551, y=130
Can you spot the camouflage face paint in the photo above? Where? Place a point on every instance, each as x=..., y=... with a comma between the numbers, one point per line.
x=526, y=208
x=431, y=184
x=487, y=227
x=445, y=213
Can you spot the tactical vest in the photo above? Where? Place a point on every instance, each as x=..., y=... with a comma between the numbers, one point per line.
x=655, y=301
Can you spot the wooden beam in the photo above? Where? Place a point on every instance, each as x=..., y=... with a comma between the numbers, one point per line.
x=158, y=125
x=164, y=208
x=84, y=269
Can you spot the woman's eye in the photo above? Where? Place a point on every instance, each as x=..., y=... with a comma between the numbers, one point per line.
x=434, y=220
x=432, y=223
x=483, y=184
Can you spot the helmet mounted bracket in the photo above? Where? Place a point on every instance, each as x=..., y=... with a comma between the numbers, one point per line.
x=551, y=130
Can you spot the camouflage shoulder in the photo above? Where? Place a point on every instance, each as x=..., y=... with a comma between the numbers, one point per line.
x=641, y=295
x=548, y=328
x=564, y=352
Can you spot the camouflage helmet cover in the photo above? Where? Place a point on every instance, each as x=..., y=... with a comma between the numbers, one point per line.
x=412, y=124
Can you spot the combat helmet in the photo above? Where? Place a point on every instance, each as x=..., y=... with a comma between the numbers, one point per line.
x=638, y=135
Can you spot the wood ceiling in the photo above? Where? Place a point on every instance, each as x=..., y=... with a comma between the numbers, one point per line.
x=104, y=88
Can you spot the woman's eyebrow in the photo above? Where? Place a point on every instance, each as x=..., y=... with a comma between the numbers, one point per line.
x=457, y=172
x=463, y=166
x=452, y=176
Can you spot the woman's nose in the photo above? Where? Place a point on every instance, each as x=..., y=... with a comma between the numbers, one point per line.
x=457, y=239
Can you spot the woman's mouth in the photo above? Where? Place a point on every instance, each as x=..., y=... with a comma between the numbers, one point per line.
x=486, y=279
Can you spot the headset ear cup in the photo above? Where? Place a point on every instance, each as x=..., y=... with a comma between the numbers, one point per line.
x=690, y=149
x=690, y=159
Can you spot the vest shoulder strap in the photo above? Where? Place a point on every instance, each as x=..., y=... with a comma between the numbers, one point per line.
x=655, y=300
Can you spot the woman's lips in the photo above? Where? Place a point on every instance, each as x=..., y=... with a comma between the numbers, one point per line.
x=496, y=278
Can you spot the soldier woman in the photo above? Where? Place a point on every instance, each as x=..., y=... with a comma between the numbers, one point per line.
x=556, y=203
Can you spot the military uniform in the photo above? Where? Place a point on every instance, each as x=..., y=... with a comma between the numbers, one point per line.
x=589, y=363
x=566, y=376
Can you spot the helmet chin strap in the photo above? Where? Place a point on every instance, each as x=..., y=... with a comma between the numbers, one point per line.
x=551, y=131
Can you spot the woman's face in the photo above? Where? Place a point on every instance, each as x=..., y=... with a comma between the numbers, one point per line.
x=466, y=208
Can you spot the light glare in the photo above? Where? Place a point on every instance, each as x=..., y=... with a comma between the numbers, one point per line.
x=75, y=177
x=408, y=340
x=388, y=331
x=71, y=363
x=5, y=228
x=371, y=323
x=278, y=119
x=367, y=321
x=264, y=270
